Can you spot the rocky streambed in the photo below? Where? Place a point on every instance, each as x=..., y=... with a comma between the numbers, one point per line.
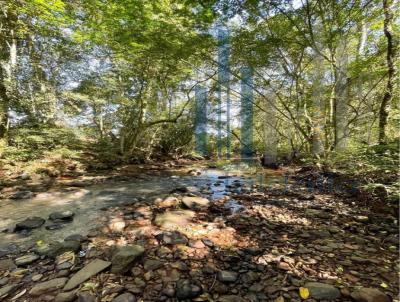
x=206, y=236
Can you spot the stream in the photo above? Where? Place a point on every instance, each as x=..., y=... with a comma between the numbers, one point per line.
x=89, y=203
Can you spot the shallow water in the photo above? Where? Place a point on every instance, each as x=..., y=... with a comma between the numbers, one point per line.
x=87, y=203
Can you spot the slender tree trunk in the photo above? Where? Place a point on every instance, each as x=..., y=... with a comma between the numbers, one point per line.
x=341, y=101
x=384, y=108
x=271, y=137
x=318, y=107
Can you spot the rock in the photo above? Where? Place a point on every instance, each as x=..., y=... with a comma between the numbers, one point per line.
x=86, y=297
x=197, y=244
x=66, y=296
x=26, y=259
x=54, y=226
x=369, y=295
x=76, y=237
x=22, y=195
x=29, y=224
x=126, y=297
x=8, y=249
x=7, y=265
x=172, y=219
x=187, y=289
x=360, y=218
x=117, y=225
x=195, y=202
x=122, y=260
x=170, y=201
x=7, y=289
x=47, y=286
x=230, y=298
x=54, y=249
x=322, y=291
x=152, y=264
x=63, y=216
x=4, y=281
x=174, y=238
x=37, y=277
x=227, y=276
x=317, y=213
x=91, y=269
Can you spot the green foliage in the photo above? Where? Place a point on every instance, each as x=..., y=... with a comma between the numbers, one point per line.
x=32, y=142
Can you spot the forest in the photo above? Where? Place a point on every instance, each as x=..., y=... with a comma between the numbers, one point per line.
x=210, y=150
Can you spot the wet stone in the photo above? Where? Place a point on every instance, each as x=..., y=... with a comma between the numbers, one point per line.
x=22, y=195
x=29, y=224
x=66, y=296
x=63, y=216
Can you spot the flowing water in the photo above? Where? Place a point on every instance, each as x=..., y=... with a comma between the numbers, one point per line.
x=89, y=203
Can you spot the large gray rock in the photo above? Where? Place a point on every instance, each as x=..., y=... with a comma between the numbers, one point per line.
x=29, y=224
x=173, y=219
x=26, y=259
x=195, y=202
x=126, y=297
x=123, y=259
x=91, y=269
x=322, y=291
x=47, y=286
x=369, y=295
x=188, y=289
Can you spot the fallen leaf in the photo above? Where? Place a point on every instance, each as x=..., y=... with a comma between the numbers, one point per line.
x=304, y=292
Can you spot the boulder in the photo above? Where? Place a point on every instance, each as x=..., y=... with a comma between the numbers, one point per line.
x=94, y=267
x=56, y=248
x=195, y=202
x=47, y=286
x=322, y=291
x=369, y=295
x=123, y=259
x=170, y=201
x=29, y=224
x=173, y=219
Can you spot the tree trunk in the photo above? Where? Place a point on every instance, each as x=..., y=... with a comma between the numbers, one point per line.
x=384, y=108
x=341, y=101
x=318, y=107
x=271, y=137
